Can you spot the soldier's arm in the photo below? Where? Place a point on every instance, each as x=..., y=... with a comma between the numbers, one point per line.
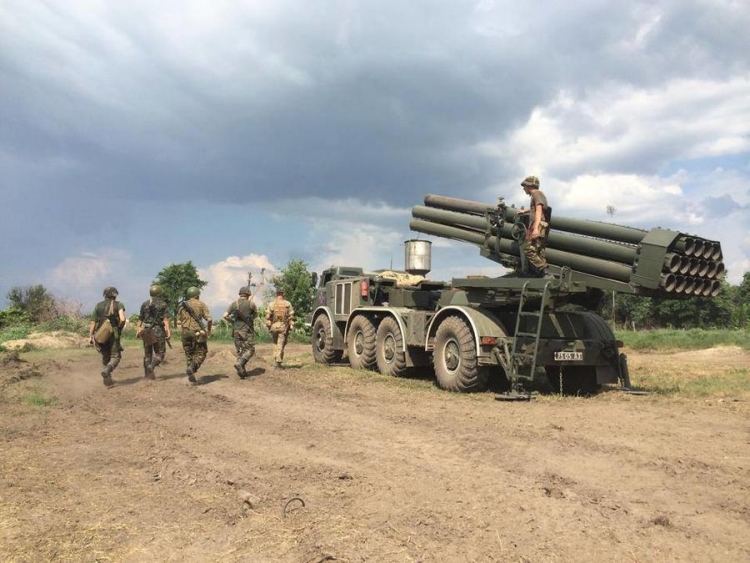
x=228, y=312
x=209, y=320
x=91, y=331
x=538, y=215
x=121, y=315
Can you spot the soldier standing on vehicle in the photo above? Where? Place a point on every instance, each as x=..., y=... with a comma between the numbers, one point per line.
x=538, y=229
x=279, y=320
x=104, y=332
x=241, y=314
x=190, y=316
x=154, y=330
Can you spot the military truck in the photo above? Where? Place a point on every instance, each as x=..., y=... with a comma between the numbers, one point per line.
x=518, y=328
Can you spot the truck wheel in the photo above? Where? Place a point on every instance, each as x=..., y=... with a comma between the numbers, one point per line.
x=322, y=342
x=361, y=343
x=576, y=380
x=456, y=365
x=391, y=358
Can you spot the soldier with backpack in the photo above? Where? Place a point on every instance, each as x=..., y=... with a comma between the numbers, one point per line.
x=241, y=314
x=154, y=330
x=279, y=320
x=104, y=332
x=190, y=316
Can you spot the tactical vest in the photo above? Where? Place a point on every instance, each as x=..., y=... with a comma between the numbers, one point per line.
x=279, y=312
x=244, y=313
x=154, y=311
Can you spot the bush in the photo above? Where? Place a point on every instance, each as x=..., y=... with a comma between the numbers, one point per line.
x=14, y=333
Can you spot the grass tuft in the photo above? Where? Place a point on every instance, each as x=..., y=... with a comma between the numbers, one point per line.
x=38, y=399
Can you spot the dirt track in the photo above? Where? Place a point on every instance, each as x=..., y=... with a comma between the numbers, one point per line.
x=389, y=470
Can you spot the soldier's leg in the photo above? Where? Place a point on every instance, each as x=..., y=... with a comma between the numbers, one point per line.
x=159, y=350
x=282, y=344
x=188, y=344
x=276, y=335
x=200, y=351
x=531, y=249
x=115, y=356
x=247, y=352
x=106, y=351
x=147, y=355
x=239, y=346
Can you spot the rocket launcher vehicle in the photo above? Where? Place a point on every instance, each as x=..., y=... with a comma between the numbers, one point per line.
x=656, y=263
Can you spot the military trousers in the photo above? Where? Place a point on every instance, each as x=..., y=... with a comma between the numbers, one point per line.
x=154, y=347
x=195, y=345
x=244, y=344
x=535, y=252
x=111, y=352
x=279, y=343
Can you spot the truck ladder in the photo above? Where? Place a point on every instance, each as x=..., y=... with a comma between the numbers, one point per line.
x=523, y=363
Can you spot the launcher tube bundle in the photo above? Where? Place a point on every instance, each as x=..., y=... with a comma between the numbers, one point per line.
x=659, y=262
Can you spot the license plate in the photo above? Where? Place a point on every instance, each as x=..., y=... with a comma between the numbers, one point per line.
x=563, y=356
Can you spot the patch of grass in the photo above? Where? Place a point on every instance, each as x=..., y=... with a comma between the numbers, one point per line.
x=38, y=399
x=14, y=333
x=731, y=383
x=693, y=339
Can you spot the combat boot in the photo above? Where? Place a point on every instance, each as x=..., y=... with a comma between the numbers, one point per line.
x=148, y=369
x=240, y=369
x=107, y=377
x=190, y=371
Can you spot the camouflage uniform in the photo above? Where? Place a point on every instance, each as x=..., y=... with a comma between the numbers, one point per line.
x=194, y=336
x=111, y=350
x=242, y=314
x=279, y=319
x=152, y=315
x=534, y=248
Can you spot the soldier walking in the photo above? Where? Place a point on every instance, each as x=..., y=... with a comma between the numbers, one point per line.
x=279, y=320
x=190, y=316
x=104, y=332
x=241, y=314
x=536, y=234
x=154, y=330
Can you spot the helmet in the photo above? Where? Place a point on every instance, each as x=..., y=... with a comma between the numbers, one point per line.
x=280, y=291
x=155, y=290
x=245, y=290
x=192, y=292
x=531, y=182
x=110, y=292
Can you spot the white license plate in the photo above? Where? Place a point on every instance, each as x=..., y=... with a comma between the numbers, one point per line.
x=562, y=356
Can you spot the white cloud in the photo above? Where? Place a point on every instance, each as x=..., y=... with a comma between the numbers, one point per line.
x=618, y=127
x=89, y=272
x=227, y=276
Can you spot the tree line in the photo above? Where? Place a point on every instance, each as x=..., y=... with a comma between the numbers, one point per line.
x=730, y=309
x=36, y=305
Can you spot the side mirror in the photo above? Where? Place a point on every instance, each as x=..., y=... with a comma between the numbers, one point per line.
x=314, y=279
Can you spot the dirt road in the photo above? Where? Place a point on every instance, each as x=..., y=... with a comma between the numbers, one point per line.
x=315, y=464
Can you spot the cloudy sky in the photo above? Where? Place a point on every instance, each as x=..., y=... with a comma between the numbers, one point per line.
x=243, y=134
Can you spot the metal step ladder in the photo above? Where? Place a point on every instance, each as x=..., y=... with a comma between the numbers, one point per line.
x=523, y=363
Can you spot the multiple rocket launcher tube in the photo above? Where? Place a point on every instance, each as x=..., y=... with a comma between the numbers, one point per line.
x=691, y=265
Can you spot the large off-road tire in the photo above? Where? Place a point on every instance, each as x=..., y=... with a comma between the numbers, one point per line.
x=322, y=342
x=576, y=380
x=361, y=343
x=455, y=354
x=391, y=358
